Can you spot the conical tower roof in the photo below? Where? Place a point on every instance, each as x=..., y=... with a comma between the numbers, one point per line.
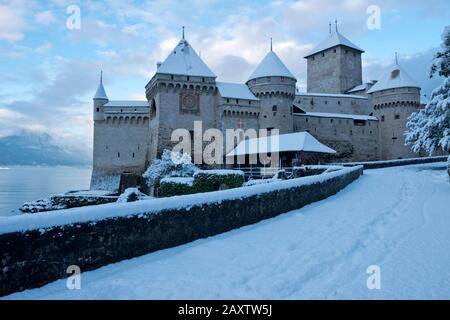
x=271, y=66
x=183, y=60
x=101, y=93
x=334, y=39
x=395, y=77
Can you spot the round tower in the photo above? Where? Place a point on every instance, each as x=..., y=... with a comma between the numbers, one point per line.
x=274, y=85
x=394, y=98
x=100, y=99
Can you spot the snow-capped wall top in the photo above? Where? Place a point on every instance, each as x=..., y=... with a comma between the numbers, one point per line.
x=337, y=115
x=126, y=103
x=299, y=141
x=101, y=93
x=183, y=60
x=271, y=66
x=396, y=77
x=235, y=91
x=334, y=39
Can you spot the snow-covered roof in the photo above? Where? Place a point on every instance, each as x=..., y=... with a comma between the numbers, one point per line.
x=271, y=66
x=235, y=91
x=396, y=77
x=183, y=60
x=337, y=115
x=331, y=95
x=332, y=40
x=361, y=87
x=101, y=93
x=126, y=103
x=299, y=141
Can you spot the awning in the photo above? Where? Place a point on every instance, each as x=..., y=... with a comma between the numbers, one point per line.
x=299, y=141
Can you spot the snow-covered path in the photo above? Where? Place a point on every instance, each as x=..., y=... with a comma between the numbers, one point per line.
x=396, y=218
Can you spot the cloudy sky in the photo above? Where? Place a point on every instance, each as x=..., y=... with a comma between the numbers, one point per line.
x=49, y=72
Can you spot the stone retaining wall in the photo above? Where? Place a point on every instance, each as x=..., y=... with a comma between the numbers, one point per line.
x=33, y=258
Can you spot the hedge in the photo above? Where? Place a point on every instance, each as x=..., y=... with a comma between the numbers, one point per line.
x=203, y=181
x=212, y=180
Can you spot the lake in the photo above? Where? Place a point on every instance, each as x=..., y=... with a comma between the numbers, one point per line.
x=19, y=184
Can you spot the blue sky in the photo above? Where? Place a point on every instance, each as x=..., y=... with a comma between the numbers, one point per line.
x=48, y=73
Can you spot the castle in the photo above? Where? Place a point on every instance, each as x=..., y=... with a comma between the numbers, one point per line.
x=361, y=121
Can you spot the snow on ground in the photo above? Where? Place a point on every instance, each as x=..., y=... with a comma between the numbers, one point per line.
x=396, y=218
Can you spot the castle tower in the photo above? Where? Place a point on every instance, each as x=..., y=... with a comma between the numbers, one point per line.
x=334, y=66
x=274, y=85
x=100, y=99
x=394, y=98
x=182, y=91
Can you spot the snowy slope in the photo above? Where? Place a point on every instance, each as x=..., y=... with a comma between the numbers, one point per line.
x=396, y=218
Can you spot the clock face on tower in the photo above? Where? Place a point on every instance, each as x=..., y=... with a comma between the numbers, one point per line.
x=189, y=103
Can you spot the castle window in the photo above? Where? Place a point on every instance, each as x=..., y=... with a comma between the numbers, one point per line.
x=359, y=122
x=351, y=132
x=382, y=118
x=323, y=54
x=203, y=79
x=313, y=58
x=249, y=102
x=98, y=109
x=106, y=147
x=171, y=77
x=339, y=102
x=188, y=78
x=346, y=51
x=326, y=102
x=331, y=120
x=397, y=116
x=228, y=100
x=118, y=154
x=121, y=110
x=133, y=154
x=237, y=101
x=334, y=50
x=306, y=119
x=394, y=138
x=274, y=108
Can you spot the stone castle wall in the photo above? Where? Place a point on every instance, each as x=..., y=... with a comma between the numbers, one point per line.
x=351, y=139
x=346, y=104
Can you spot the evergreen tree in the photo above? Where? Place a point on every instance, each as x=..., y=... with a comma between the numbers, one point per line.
x=429, y=128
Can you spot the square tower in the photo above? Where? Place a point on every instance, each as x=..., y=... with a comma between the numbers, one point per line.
x=334, y=66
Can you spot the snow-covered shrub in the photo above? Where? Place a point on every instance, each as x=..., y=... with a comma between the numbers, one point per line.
x=174, y=186
x=171, y=164
x=132, y=195
x=212, y=180
x=41, y=205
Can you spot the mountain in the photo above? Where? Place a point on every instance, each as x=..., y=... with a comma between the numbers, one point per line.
x=26, y=148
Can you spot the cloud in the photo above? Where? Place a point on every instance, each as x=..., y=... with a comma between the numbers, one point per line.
x=12, y=24
x=45, y=18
